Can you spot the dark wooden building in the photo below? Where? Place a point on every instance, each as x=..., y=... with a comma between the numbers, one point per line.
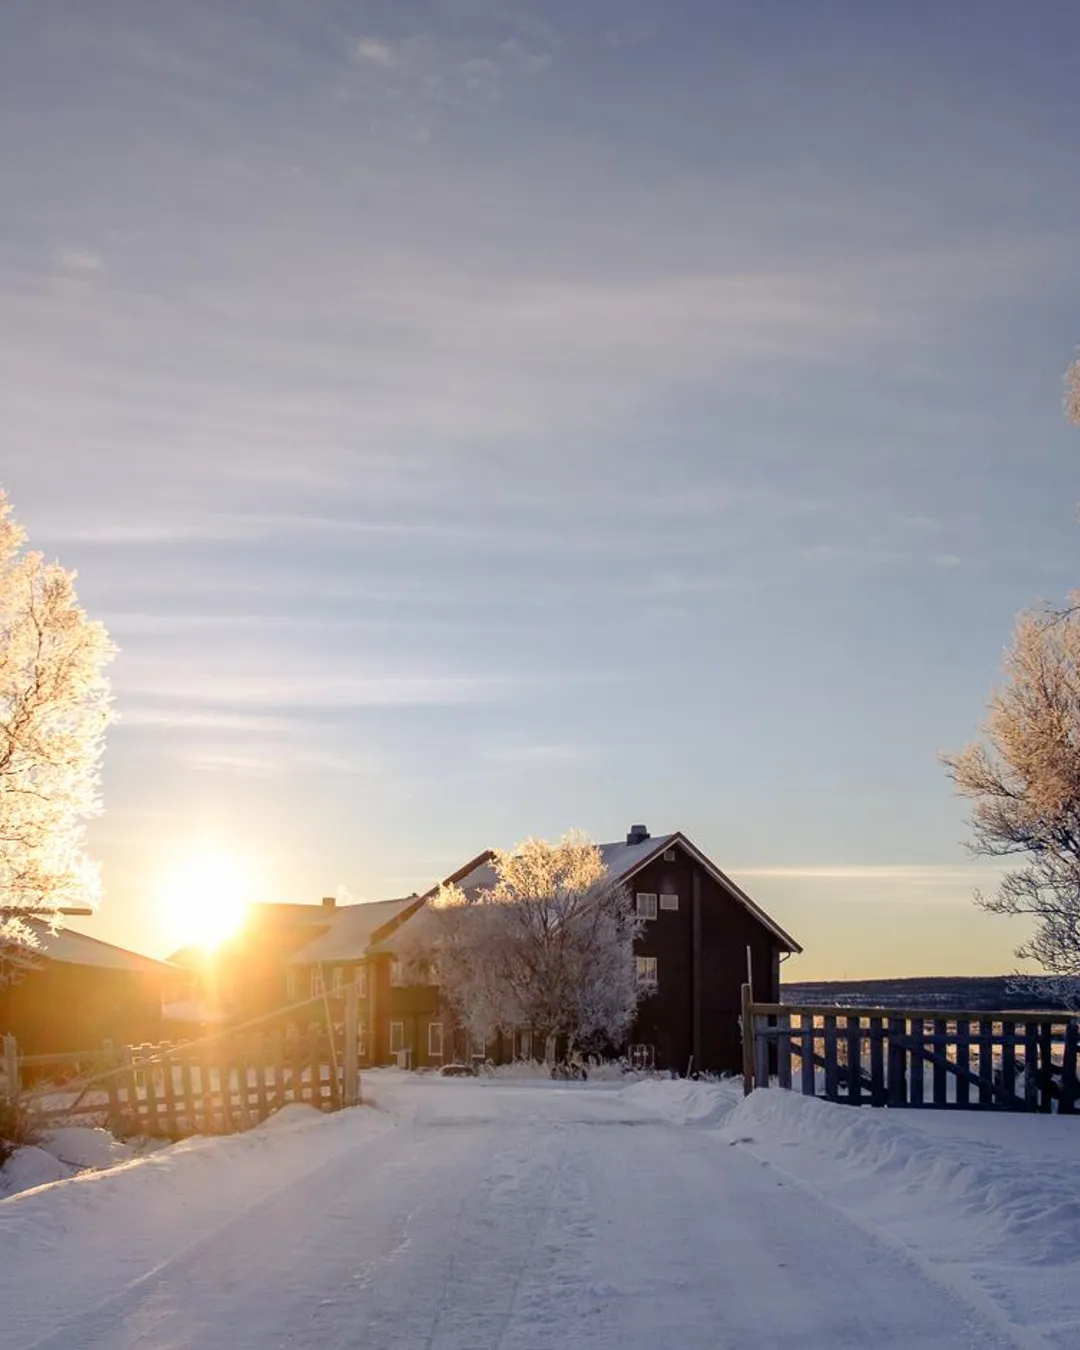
x=76, y=992
x=701, y=936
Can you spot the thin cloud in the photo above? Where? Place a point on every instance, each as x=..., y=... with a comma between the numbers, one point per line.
x=919, y=875
x=179, y=719
x=633, y=36
x=79, y=262
x=315, y=688
x=554, y=753
x=374, y=52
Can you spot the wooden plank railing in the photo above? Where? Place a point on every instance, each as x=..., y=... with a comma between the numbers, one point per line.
x=914, y=1057
x=217, y=1084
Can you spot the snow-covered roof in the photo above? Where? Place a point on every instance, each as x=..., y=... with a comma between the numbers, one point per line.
x=78, y=949
x=622, y=860
x=351, y=929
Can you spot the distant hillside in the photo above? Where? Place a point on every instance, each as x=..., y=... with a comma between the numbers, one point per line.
x=974, y=992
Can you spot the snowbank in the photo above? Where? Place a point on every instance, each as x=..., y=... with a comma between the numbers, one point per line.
x=73, y=1151
x=681, y=1101
x=59, y=1154
x=986, y=1203
x=31, y=1166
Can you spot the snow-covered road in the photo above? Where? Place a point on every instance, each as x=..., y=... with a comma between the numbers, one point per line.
x=468, y=1216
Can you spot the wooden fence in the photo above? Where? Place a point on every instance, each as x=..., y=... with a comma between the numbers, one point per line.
x=903, y=1057
x=220, y=1083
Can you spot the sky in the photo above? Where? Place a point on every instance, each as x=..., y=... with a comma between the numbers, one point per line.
x=474, y=420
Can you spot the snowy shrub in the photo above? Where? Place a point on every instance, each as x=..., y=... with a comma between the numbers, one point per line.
x=17, y=1129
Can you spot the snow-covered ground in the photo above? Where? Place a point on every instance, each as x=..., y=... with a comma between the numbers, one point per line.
x=473, y=1214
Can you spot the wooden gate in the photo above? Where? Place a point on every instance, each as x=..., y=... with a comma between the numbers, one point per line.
x=220, y=1083
x=901, y=1057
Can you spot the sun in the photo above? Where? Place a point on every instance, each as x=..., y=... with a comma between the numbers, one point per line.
x=204, y=899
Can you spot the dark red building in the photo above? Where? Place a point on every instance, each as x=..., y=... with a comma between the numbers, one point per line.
x=76, y=992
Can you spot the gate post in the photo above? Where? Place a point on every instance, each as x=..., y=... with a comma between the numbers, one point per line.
x=352, y=1014
x=747, y=1041
x=11, y=1068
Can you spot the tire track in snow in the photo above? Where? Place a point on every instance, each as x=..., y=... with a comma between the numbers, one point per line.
x=80, y=1328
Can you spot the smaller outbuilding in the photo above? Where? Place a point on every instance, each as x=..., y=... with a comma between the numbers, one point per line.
x=75, y=992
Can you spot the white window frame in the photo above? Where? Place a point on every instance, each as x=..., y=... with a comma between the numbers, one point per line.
x=477, y=1047
x=643, y=1056
x=669, y=900
x=318, y=986
x=361, y=1038
x=648, y=972
x=361, y=980
x=337, y=981
x=291, y=993
x=646, y=904
x=432, y=1052
x=397, y=974
x=397, y=1033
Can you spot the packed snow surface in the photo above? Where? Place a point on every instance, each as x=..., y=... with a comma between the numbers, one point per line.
x=475, y=1215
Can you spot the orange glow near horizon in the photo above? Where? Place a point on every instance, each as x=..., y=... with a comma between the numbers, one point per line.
x=204, y=899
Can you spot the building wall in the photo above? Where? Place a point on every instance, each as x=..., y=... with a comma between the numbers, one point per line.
x=415, y=1007
x=666, y=1018
x=63, y=1007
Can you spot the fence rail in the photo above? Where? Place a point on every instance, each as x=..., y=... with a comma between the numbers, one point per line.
x=220, y=1083
x=914, y=1057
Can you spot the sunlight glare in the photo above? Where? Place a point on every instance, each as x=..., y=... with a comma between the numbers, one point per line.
x=205, y=899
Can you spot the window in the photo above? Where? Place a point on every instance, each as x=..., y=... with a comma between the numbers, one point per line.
x=525, y=1044
x=643, y=1057
x=646, y=970
x=669, y=855
x=317, y=986
x=337, y=981
x=291, y=994
x=434, y=1040
x=669, y=901
x=361, y=1038
x=477, y=1044
x=646, y=904
x=397, y=975
x=397, y=1037
x=361, y=981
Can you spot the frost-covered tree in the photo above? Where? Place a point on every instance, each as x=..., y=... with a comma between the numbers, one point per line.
x=549, y=947
x=1072, y=391
x=54, y=707
x=1024, y=782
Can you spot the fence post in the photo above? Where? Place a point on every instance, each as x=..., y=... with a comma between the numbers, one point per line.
x=112, y=1085
x=352, y=1014
x=747, y=1041
x=11, y=1068
x=761, y=1050
x=897, y=1062
x=1067, y=1104
x=783, y=1052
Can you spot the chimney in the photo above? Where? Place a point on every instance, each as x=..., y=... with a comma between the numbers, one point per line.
x=329, y=902
x=638, y=834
